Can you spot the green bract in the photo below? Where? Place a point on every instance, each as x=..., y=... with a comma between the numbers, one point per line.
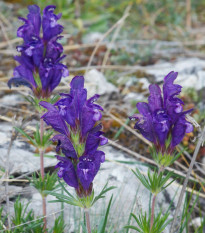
x=164, y=159
x=34, y=101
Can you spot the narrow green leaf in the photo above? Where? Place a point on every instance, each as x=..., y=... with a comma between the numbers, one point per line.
x=102, y=230
x=26, y=135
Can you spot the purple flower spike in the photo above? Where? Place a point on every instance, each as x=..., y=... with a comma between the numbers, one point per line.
x=75, y=118
x=40, y=60
x=163, y=117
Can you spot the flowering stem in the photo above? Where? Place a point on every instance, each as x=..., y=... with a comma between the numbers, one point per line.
x=87, y=217
x=42, y=163
x=161, y=169
x=41, y=150
x=42, y=170
x=152, y=211
x=44, y=211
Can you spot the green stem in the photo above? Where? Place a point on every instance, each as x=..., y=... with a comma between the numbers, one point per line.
x=152, y=212
x=62, y=205
x=87, y=218
x=161, y=169
x=42, y=171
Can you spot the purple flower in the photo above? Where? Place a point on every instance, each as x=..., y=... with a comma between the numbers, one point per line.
x=40, y=60
x=75, y=118
x=50, y=26
x=163, y=116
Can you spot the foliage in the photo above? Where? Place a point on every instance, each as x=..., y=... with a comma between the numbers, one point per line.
x=24, y=219
x=83, y=202
x=165, y=159
x=36, y=140
x=155, y=182
x=59, y=225
x=48, y=183
x=102, y=226
x=2, y=220
x=143, y=222
x=35, y=101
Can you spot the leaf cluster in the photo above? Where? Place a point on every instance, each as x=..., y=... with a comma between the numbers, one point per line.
x=2, y=220
x=23, y=218
x=48, y=183
x=164, y=159
x=83, y=202
x=36, y=139
x=34, y=101
x=59, y=225
x=154, y=182
x=143, y=222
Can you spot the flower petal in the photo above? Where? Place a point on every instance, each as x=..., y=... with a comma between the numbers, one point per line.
x=66, y=145
x=161, y=123
x=86, y=171
x=53, y=118
x=50, y=26
x=180, y=128
x=67, y=171
x=155, y=98
x=169, y=88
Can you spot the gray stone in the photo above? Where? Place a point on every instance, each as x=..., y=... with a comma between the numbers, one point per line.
x=22, y=159
x=191, y=71
x=92, y=37
x=97, y=83
x=12, y=191
x=11, y=100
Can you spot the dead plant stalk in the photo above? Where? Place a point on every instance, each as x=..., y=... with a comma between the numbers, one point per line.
x=103, y=37
x=200, y=141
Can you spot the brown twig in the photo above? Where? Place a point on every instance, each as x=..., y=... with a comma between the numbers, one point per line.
x=103, y=37
x=5, y=43
x=188, y=14
x=130, y=129
x=116, y=33
x=13, y=138
x=5, y=34
x=200, y=141
x=42, y=170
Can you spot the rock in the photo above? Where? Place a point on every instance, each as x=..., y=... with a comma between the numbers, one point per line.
x=144, y=82
x=22, y=159
x=97, y=83
x=196, y=222
x=191, y=71
x=12, y=192
x=132, y=96
x=92, y=37
x=11, y=100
